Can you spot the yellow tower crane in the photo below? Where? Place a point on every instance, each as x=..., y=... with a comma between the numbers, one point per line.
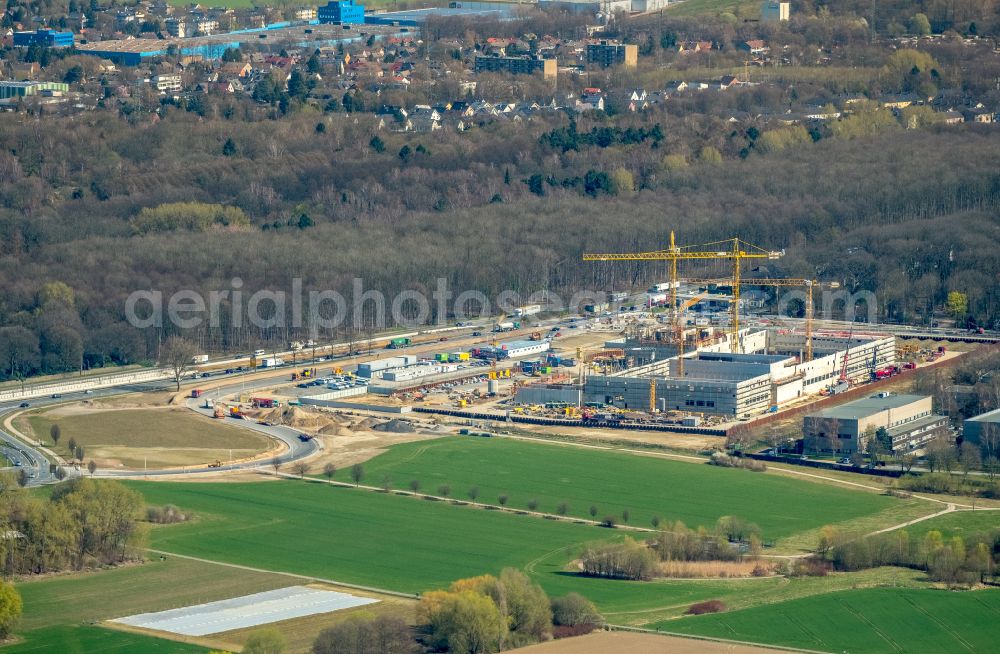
x=733, y=249
x=809, y=285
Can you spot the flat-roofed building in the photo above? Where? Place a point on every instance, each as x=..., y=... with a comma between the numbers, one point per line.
x=983, y=429
x=613, y=53
x=526, y=65
x=909, y=420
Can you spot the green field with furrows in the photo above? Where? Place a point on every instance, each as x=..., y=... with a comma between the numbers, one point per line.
x=874, y=620
x=88, y=640
x=645, y=486
x=355, y=536
x=156, y=585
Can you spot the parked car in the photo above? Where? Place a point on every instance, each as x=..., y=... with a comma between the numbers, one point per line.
x=477, y=333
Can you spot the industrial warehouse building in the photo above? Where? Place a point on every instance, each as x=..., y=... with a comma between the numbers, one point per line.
x=985, y=425
x=135, y=51
x=909, y=419
x=27, y=89
x=46, y=38
x=770, y=373
x=341, y=11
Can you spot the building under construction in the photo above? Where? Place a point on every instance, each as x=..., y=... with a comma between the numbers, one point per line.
x=768, y=373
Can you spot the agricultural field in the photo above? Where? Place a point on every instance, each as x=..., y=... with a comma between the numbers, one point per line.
x=86, y=640
x=872, y=620
x=156, y=585
x=645, y=486
x=354, y=535
x=407, y=544
x=132, y=438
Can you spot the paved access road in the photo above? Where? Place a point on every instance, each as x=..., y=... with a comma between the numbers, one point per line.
x=34, y=461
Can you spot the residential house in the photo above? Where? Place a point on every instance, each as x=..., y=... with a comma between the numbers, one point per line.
x=978, y=115
x=235, y=69
x=952, y=117
x=694, y=47
x=754, y=47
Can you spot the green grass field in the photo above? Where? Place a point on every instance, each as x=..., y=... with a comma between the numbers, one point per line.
x=646, y=486
x=959, y=523
x=68, y=639
x=695, y=7
x=355, y=536
x=157, y=438
x=154, y=586
x=874, y=620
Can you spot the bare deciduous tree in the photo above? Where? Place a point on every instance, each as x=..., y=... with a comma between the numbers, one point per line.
x=178, y=354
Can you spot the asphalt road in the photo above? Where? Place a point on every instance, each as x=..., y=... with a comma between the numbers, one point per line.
x=34, y=461
x=36, y=464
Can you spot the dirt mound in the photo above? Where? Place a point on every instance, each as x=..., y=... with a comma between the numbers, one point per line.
x=395, y=426
x=367, y=423
x=272, y=416
x=336, y=430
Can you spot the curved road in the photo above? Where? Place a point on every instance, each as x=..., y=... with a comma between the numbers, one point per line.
x=33, y=460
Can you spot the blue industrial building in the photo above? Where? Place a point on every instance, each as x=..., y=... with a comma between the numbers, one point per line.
x=135, y=51
x=49, y=38
x=341, y=11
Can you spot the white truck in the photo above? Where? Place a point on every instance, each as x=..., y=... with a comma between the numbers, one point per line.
x=271, y=362
x=200, y=358
x=528, y=310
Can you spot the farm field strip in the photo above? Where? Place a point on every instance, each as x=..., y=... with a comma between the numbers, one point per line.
x=614, y=482
x=873, y=620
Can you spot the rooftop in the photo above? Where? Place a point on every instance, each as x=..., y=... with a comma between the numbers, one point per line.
x=868, y=406
x=989, y=416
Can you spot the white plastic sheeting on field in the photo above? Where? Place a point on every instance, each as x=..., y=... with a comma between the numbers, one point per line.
x=246, y=611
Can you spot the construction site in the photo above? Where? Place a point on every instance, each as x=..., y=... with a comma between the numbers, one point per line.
x=692, y=354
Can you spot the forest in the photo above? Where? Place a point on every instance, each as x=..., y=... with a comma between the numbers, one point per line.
x=90, y=213
x=311, y=184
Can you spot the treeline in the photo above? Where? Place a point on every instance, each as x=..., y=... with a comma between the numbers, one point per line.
x=906, y=214
x=568, y=138
x=732, y=539
x=966, y=560
x=491, y=614
x=82, y=524
x=476, y=615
